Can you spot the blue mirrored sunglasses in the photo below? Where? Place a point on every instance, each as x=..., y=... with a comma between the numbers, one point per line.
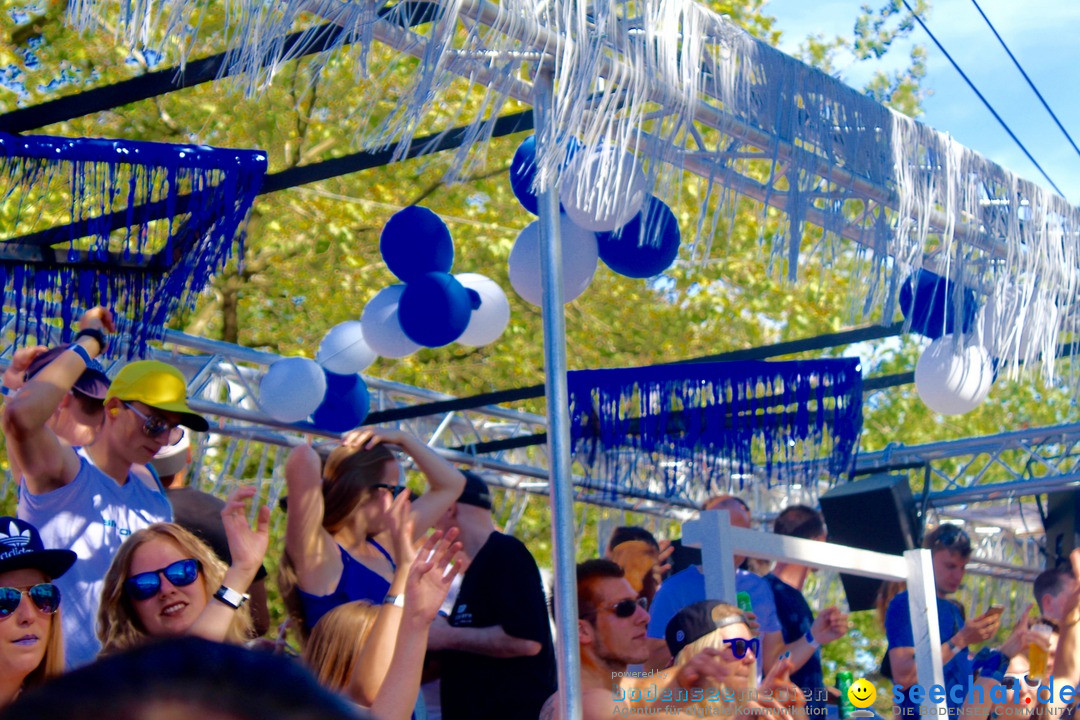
x=148, y=584
x=45, y=596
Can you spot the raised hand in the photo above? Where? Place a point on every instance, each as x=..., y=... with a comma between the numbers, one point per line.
x=97, y=318
x=437, y=563
x=367, y=438
x=399, y=523
x=829, y=625
x=246, y=546
x=20, y=362
x=778, y=682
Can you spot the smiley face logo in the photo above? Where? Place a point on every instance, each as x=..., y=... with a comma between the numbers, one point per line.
x=862, y=694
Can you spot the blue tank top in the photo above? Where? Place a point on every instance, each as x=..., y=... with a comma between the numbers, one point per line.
x=358, y=582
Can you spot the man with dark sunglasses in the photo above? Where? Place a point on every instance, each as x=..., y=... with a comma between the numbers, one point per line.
x=950, y=549
x=91, y=502
x=612, y=622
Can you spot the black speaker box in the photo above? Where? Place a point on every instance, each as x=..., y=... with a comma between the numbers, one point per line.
x=1062, y=525
x=877, y=513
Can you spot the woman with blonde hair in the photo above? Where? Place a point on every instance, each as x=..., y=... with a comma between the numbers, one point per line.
x=722, y=629
x=165, y=582
x=338, y=544
x=31, y=643
x=335, y=643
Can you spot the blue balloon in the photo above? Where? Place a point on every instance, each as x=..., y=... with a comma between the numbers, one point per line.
x=523, y=170
x=643, y=248
x=415, y=241
x=927, y=300
x=435, y=309
x=345, y=405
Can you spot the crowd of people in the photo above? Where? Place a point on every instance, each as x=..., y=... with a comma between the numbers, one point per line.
x=407, y=606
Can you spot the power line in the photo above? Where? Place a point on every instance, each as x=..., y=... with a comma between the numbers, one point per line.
x=983, y=99
x=1026, y=78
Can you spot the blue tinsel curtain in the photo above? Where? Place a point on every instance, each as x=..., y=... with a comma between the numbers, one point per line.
x=690, y=430
x=138, y=227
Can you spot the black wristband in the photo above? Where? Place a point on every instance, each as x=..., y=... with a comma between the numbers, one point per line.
x=96, y=335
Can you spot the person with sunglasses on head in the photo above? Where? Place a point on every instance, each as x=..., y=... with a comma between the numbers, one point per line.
x=338, y=546
x=31, y=647
x=498, y=626
x=91, y=502
x=166, y=582
x=711, y=624
x=612, y=622
x=950, y=549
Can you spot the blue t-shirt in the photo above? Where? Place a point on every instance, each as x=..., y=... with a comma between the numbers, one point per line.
x=899, y=633
x=358, y=582
x=796, y=619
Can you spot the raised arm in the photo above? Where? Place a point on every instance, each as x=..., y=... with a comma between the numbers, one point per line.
x=45, y=462
x=311, y=548
x=374, y=658
x=247, y=548
x=445, y=483
x=429, y=580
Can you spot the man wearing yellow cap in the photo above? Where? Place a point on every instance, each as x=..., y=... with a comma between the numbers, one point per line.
x=91, y=502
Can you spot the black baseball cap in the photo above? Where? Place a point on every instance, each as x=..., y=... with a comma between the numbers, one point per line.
x=698, y=620
x=21, y=548
x=476, y=492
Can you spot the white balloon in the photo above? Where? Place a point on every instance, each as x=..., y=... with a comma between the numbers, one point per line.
x=579, y=258
x=292, y=389
x=490, y=319
x=953, y=382
x=379, y=323
x=603, y=189
x=344, y=351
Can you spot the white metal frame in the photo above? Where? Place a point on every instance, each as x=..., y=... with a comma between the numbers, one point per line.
x=720, y=542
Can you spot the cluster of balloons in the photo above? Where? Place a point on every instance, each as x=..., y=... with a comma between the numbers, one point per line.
x=327, y=391
x=430, y=307
x=951, y=377
x=606, y=213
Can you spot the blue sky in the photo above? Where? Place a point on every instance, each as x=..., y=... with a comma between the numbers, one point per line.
x=1040, y=33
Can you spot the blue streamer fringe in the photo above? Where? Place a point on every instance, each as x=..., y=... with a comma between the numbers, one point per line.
x=170, y=247
x=691, y=430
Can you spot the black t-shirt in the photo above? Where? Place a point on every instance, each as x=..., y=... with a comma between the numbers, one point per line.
x=200, y=513
x=501, y=587
x=796, y=619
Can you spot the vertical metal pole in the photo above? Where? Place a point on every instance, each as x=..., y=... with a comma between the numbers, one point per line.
x=568, y=661
x=922, y=604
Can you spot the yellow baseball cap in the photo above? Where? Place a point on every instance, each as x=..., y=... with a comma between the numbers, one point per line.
x=158, y=385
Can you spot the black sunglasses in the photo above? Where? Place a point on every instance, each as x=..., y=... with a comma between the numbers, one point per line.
x=395, y=490
x=146, y=585
x=739, y=646
x=623, y=608
x=155, y=425
x=45, y=596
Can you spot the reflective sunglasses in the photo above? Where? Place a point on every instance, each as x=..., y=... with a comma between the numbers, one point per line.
x=146, y=585
x=155, y=426
x=739, y=646
x=45, y=596
x=623, y=608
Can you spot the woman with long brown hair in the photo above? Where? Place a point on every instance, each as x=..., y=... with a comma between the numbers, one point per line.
x=338, y=544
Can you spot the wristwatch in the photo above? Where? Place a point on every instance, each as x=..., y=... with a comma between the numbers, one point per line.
x=810, y=639
x=952, y=646
x=231, y=597
x=395, y=600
